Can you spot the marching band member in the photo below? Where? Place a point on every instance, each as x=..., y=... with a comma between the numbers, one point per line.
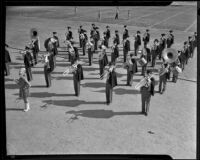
x=7, y=61
x=181, y=58
x=35, y=46
x=155, y=52
x=146, y=38
x=107, y=35
x=114, y=53
x=24, y=86
x=90, y=46
x=53, y=42
x=51, y=46
x=57, y=39
x=92, y=30
x=125, y=33
x=144, y=66
x=137, y=42
x=116, y=38
x=162, y=44
x=194, y=42
x=131, y=66
x=74, y=54
x=84, y=39
x=170, y=39
x=148, y=51
x=126, y=46
x=186, y=51
x=68, y=34
x=103, y=59
x=48, y=68
x=195, y=39
x=104, y=40
x=163, y=77
x=80, y=31
x=174, y=71
x=28, y=62
x=77, y=77
x=146, y=92
x=190, y=46
x=111, y=82
x=96, y=37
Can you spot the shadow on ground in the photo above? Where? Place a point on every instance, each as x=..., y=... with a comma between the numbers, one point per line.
x=94, y=84
x=46, y=94
x=121, y=91
x=71, y=103
x=100, y=113
x=11, y=86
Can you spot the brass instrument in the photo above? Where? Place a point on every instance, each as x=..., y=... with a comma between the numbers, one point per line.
x=34, y=33
x=106, y=72
x=146, y=81
x=72, y=68
x=170, y=55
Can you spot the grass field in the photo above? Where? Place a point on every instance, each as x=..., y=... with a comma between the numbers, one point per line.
x=60, y=123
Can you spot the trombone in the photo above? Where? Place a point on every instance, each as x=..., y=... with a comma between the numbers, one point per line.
x=72, y=68
x=144, y=82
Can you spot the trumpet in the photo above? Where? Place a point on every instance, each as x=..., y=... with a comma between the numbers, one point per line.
x=72, y=68
x=146, y=81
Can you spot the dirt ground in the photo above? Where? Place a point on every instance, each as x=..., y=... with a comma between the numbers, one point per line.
x=60, y=123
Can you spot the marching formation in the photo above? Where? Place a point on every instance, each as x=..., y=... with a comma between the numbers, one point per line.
x=145, y=55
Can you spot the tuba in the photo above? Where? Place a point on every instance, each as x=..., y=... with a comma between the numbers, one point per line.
x=170, y=55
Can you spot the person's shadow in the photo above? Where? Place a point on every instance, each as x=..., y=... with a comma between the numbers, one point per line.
x=100, y=113
x=71, y=103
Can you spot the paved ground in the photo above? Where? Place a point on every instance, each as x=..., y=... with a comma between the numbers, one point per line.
x=60, y=123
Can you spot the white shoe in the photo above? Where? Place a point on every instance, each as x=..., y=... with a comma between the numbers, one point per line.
x=27, y=107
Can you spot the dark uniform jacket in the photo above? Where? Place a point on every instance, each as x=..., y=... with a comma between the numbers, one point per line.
x=125, y=34
x=138, y=40
x=57, y=43
x=170, y=40
x=162, y=43
x=36, y=46
x=51, y=62
x=155, y=51
x=7, y=56
x=107, y=33
x=126, y=46
x=69, y=35
x=116, y=40
x=133, y=67
x=146, y=38
x=112, y=80
x=84, y=40
x=28, y=60
x=78, y=74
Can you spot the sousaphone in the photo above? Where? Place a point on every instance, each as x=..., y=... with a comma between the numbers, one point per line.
x=170, y=55
x=34, y=33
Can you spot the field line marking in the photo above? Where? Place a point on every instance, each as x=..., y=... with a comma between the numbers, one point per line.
x=146, y=15
x=190, y=26
x=166, y=19
x=169, y=18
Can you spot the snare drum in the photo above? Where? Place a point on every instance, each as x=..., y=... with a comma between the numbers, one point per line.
x=142, y=61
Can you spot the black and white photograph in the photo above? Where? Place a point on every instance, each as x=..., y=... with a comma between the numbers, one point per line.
x=101, y=80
